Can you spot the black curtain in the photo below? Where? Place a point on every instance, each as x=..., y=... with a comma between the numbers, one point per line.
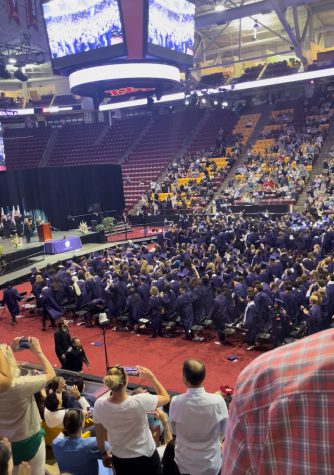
x=63, y=192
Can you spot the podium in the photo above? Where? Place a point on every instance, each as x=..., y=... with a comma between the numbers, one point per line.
x=44, y=232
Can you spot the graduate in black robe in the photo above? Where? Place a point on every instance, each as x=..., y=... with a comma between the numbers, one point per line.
x=76, y=356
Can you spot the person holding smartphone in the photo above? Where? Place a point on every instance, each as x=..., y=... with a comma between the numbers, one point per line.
x=20, y=421
x=124, y=417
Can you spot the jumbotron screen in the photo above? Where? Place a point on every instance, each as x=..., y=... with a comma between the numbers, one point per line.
x=172, y=25
x=78, y=29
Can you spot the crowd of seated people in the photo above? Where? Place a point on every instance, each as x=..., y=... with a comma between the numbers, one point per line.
x=250, y=74
x=10, y=102
x=192, y=180
x=204, y=268
x=281, y=68
x=263, y=274
x=279, y=164
x=320, y=195
x=272, y=272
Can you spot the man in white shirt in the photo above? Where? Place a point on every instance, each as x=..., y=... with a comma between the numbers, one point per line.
x=198, y=419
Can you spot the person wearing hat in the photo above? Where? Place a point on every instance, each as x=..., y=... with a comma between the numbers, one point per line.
x=63, y=341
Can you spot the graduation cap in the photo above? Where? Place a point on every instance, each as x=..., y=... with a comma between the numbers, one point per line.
x=34, y=270
x=143, y=277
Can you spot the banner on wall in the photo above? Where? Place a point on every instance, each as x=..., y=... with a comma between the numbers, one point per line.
x=13, y=10
x=31, y=14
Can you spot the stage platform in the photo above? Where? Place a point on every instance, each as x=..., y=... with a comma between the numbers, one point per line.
x=137, y=234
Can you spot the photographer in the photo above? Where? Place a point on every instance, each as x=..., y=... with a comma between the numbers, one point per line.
x=19, y=416
x=125, y=420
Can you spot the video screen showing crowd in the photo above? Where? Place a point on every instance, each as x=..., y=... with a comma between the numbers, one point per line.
x=172, y=25
x=263, y=274
x=89, y=25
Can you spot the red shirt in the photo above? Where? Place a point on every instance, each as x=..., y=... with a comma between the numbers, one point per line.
x=282, y=416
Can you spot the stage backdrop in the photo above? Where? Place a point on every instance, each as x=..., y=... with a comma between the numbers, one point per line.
x=63, y=192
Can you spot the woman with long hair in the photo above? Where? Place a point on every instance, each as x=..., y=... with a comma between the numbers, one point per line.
x=20, y=421
x=124, y=417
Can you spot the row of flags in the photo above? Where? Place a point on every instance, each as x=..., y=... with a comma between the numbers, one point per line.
x=10, y=214
x=30, y=10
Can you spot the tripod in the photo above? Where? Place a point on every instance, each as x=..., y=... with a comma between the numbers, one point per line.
x=104, y=330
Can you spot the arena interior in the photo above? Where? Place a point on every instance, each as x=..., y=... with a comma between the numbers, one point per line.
x=166, y=202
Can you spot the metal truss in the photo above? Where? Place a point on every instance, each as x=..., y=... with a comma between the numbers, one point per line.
x=24, y=53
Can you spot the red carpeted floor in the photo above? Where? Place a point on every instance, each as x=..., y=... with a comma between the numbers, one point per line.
x=135, y=233
x=162, y=355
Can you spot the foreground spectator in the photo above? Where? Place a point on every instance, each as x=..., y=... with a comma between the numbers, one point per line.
x=198, y=419
x=124, y=417
x=19, y=416
x=6, y=461
x=73, y=453
x=5, y=376
x=282, y=417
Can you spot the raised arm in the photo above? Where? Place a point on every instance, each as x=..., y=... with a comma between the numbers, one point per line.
x=5, y=376
x=163, y=396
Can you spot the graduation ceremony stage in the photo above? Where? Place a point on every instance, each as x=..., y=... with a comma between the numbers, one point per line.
x=32, y=255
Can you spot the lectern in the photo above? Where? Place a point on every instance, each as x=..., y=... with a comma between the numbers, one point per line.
x=44, y=232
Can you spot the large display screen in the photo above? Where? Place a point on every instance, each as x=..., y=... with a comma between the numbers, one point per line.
x=77, y=29
x=2, y=152
x=172, y=25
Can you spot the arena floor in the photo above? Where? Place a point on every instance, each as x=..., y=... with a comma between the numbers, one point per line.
x=164, y=356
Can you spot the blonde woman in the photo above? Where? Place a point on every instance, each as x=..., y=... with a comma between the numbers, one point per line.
x=125, y=420
x=20, y=421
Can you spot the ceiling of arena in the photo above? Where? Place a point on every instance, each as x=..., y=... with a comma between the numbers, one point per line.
x=232, y=31
x=230, y=34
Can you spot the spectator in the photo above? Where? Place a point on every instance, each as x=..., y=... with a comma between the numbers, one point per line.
x=54, y=412
x=198, y=419
x=76, y=356
x=73, y=453
x=19, y=416
x=62, y=339
x=124, y=418
x=87, y=400
x=282, y=417
x=5, y=376
x=6, y=460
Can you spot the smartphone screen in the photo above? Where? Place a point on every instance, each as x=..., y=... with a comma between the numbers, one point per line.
x=24, y=343
x=131, y=371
